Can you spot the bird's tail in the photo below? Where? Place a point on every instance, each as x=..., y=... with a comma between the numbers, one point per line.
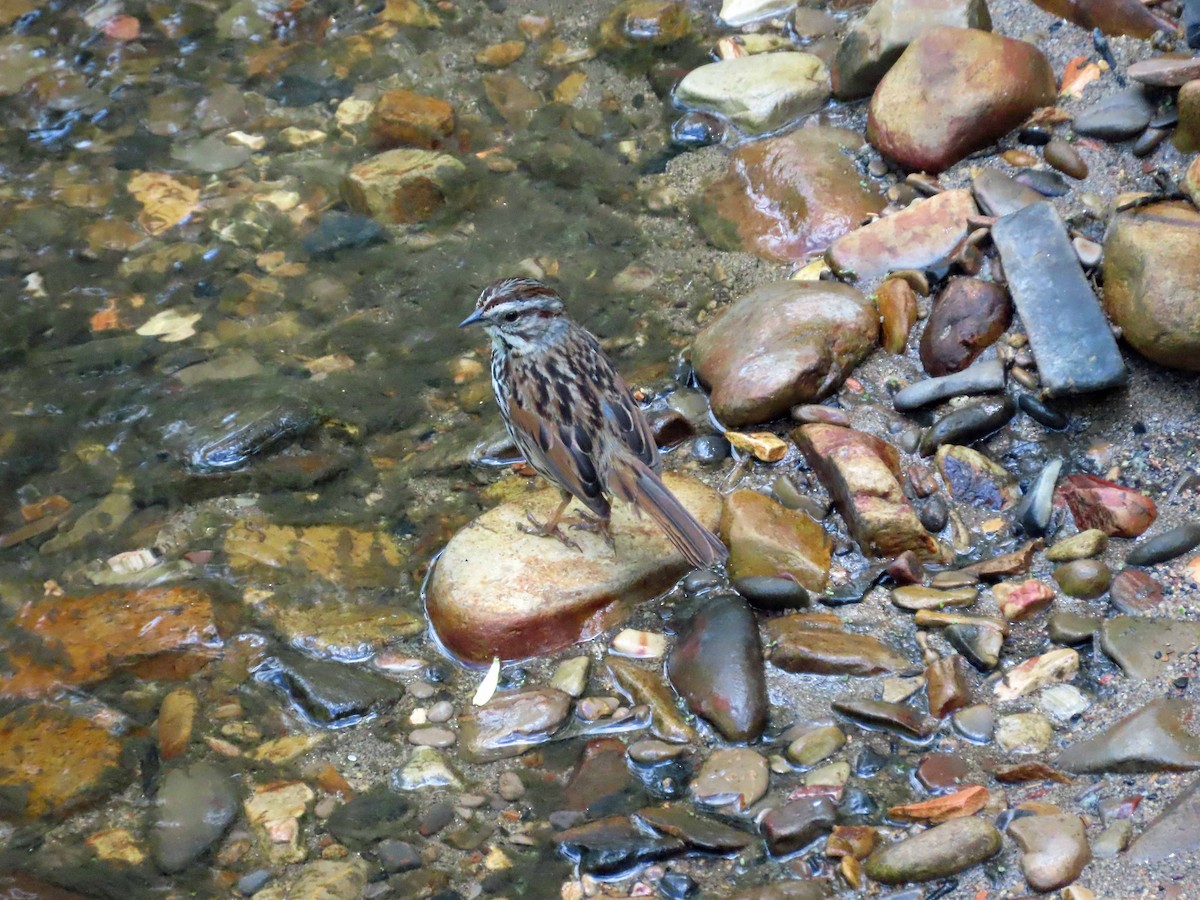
x=637, y=483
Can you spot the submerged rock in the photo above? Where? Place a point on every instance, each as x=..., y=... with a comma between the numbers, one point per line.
x=400, y=187
x=509, y=724
x=536, y=595
x=195, y=806
x=758, y=93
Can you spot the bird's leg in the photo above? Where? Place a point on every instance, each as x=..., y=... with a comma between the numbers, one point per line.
x=550, y=528
x=601, y=525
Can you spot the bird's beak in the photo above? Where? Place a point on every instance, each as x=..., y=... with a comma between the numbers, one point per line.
x=474, y=317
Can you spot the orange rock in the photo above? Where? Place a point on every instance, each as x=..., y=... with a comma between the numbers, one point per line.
x=59, y=642
x=897, y=305
x=1116, y=510
x=404, y=119
x=175, y=719
x=966, y=802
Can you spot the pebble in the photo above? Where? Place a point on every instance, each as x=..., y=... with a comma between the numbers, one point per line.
x=894, y=717
x=571, y=675
x=967, y=424
x=1068, y=332
x=512, y=723
x=1054, y=849
x=985, y=376
x=1071, y=628
x=442, y=711
x=432, y=737
x=939, y=852
x=999, y=195
x=1065, y=158
x=1063, y=703
x=710, y=449
x=1033, y=513
x=1024, y=733
x=1135, y=592
x=1168, y=545
x=1145, y=646
x=195, y=805
x=1084, y=578
x=736, y=776
x=975, y=723
x=968, y=316
x=1083, y=545
x=1045, y=182
x=757, y=93
x=797, y=824
x=649, y=751
x=1041, y=413
x=816, y=744
x=1036, y=672
x=916, y=596
x=773, y=594
x=1116, y=117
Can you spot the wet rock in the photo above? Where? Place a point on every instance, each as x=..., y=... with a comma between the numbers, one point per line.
x=538, y=595
x=1165, y=71
x=941, y=772
x=917, y=237
x=999, y=195
x=195, y=806
x=405, y=119
x=512, y=723
x=328, y=879
x=426, y=768
x=716, y=666
x=875, y=42
x=968, y=316
x=943, y=850
x=916, y=596
x=1159, y=737
x=342, y=231
x=862, y=474
x=644, y=23
x=380, y=814
x=976, y=723
x=767, y=539
x=1021, y=599
x=1113, y=17
x=55, y=642
x=210, y=155
x=397, y=856
x=1033, y=514
x=797, y=824
x=646, y=688
x=699, y=832
x=894, y=717
x=1174, y=832
x=953, y=91
x=614, y=844
x=735, y=776
x=1151, y=282
x=1187, y=132
x=1063, y=703
x=1085, y=578
x=1145, y=647
x=1054, y=849
x=967, y=423
x=815, y=744
x=736, y=13
x=1083, y=545
x=1036, y=672
x=906, y=569
x=1133, y=591
x=784, y=343
x=400, y=187
x=758, y=93
x=1024, y=733
x=571, y=675
x=54, y=762
x=1065, y=158
x=974, y=479
x=898, y=312
x=328, y=692
x=946, y=685
x=1113, y=840
x=601, y=783
x=1168, y=545
x=979, y=643
x=1071, y=628
x=1116, y=510
x=980, y=378
x=1046, y=183
x=773, y=594
x=801, y=643
x=786, y=197
x=1116, y=117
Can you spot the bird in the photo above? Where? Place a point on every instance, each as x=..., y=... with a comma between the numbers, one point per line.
x=574, y=418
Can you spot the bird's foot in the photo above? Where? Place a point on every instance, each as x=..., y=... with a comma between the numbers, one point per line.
x=596, y=525
x=548, y=529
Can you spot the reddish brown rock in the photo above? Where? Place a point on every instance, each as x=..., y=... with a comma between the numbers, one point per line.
x=954, y=91
x=787, y=197
x=946, y=685
x=897, y=305
x=1021, y=599
x=968, y=316
x=784, y=343
x=1129, y=17
x=1133, y=591
x=862, y=474
x=924, y=233
x=497, y=591
x=1095, y=503
x=802, y=643
x=766, y=538
x=404, y=119
x=57, y=642
x=52, y=762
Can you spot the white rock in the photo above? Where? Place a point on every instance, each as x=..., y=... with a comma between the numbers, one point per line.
x=1063, y=702
x=743, y=12
x=1038, y=671
x=1024, y=733
x=758, y=93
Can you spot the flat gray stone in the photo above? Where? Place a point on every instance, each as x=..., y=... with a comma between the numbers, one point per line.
x=1068, y=332
x=980, y=378
x=1116, y=117
x=1176, y=832
x=1162, y=736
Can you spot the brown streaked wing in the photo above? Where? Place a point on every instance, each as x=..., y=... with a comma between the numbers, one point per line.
x=618, y=406
x=557, y=462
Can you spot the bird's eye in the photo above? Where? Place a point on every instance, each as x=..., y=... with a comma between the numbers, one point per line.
x=509, y=317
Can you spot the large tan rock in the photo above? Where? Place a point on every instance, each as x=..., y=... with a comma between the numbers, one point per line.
x=789, y=196
x=405, y=119
x=862, y=474
x=401, y=187
x=1152, y=282
x=784, y=343
x=767, y=538
x=497, y=591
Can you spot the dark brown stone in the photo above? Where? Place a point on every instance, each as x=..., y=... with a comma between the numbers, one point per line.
x=968, y=316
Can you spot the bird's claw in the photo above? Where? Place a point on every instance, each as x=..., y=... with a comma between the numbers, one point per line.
x=596, y=525
x=545, y=529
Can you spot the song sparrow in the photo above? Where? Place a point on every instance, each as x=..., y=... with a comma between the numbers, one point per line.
x=573, y=417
